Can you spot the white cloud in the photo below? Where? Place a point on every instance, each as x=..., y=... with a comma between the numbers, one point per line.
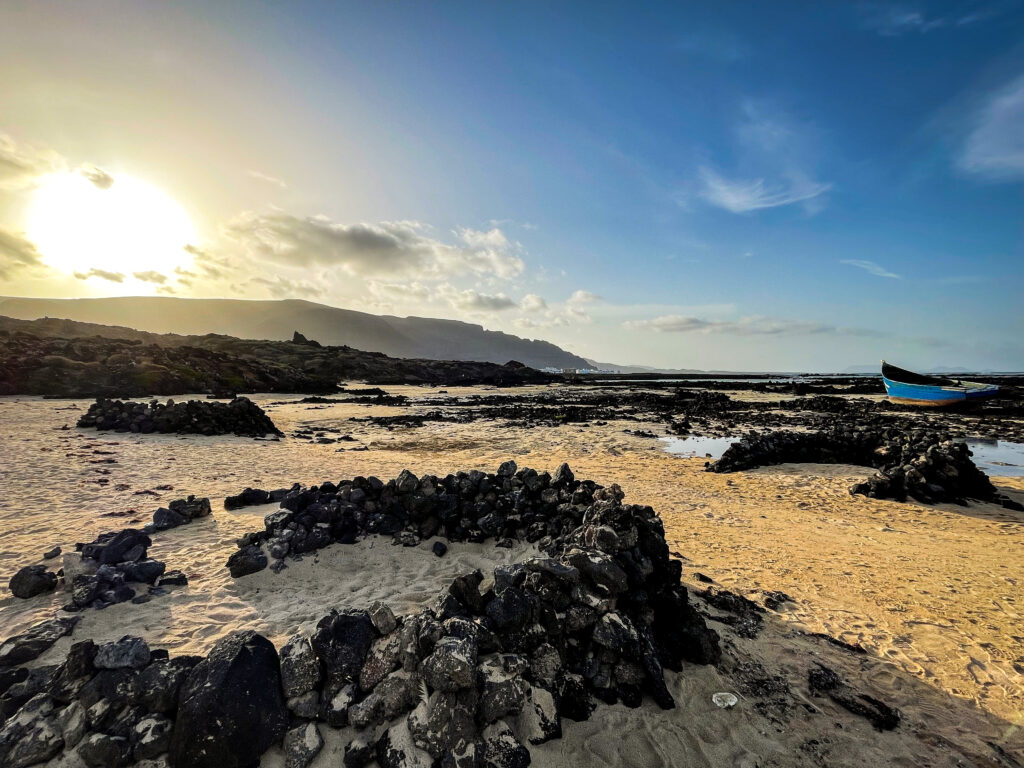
x=387, y=248
x=283, y=288
x=747, y=326
x=401, y=291
x=745, y=195
x=102, y=274
x=891, y=20
x=995, y=146
x=16, y=254
x=583, y=297
x=150, y=276
x=100, y=178
x=869, y=266
x=268, y=178
x=531, y=302
x=21, y=164
x=473, y=301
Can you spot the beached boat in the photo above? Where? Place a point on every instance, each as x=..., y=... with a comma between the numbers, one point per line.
x=911, y=388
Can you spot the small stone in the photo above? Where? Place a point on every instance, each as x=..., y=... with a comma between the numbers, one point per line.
x=452, y=665
x=301, y=744
x=127, y=653
x=382, y=617
x=502, y=749
x=440, y=548
x=172, y=579
x=300, y=668
x=99, y=750
x=151, y=736
x=306, y=705
x=71, y=721
x=52, y=553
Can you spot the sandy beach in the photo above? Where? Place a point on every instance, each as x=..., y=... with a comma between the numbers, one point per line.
x=928, y=591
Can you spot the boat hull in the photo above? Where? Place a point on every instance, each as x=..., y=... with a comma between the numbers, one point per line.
x=929, y=396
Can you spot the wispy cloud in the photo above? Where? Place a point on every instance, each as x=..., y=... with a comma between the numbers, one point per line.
x=745, y=195
x=995, y=145
x=747, y=326
x=21, y=164
x=16, y=254
x=893, y=20
x=869, y=266
x=269, y=179
x=775, y=159
x=102, y=274
x=100, y=178
x=150, y=276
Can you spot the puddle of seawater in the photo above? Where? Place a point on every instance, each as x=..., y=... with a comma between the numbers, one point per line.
x=995, y=457
x=998, y=457
x=690, y=447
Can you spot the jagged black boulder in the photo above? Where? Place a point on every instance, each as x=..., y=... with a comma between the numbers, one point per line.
x=32, y=580
x=231, y=708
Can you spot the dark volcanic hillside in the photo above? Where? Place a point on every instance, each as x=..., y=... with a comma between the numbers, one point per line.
x=67, y=359
x=416, y=337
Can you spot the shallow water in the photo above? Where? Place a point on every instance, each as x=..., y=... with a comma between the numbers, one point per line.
x=998, y=457
x=689, y=447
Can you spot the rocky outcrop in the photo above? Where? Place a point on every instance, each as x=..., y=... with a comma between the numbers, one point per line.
x=203, y=417
x=919, y=463
x=61, y=358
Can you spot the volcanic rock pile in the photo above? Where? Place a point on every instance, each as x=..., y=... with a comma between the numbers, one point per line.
x=100, y=573
x=469, y=506
x=919, y=463
x=203, y=417
x=103, y=572
x=489, y=669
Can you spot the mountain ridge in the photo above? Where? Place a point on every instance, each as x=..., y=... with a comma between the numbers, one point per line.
x=277, y=319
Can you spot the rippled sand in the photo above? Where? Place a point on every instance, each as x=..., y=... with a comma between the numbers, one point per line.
x=931, y=592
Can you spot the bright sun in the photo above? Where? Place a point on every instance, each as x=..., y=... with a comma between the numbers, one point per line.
x=130, y=226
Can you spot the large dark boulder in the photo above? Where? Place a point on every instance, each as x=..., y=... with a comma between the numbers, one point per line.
x=231, y=709
x=247, y=560
x=32, y=580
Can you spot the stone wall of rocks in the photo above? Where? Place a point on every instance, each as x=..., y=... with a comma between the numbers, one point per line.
x=489, y=669
x=469, y=506
x=919, y=463
x=241, y=416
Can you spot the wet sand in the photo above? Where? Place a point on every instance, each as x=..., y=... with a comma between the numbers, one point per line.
x=930, y=592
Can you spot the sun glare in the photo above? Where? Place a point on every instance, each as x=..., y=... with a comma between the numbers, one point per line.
x=129, y=226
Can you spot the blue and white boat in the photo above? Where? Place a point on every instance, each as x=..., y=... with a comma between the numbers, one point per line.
x=911, y=388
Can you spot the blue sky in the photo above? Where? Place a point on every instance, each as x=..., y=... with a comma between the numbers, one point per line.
x=781, y=186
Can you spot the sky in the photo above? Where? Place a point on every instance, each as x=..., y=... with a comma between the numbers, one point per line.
x=743, y=186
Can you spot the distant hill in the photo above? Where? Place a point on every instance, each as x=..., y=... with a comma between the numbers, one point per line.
x=616, y=368
x=407, y=337
x=65, y=358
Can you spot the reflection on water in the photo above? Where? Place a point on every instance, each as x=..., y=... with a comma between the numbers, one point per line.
x=698, y=446
x=998, y=457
